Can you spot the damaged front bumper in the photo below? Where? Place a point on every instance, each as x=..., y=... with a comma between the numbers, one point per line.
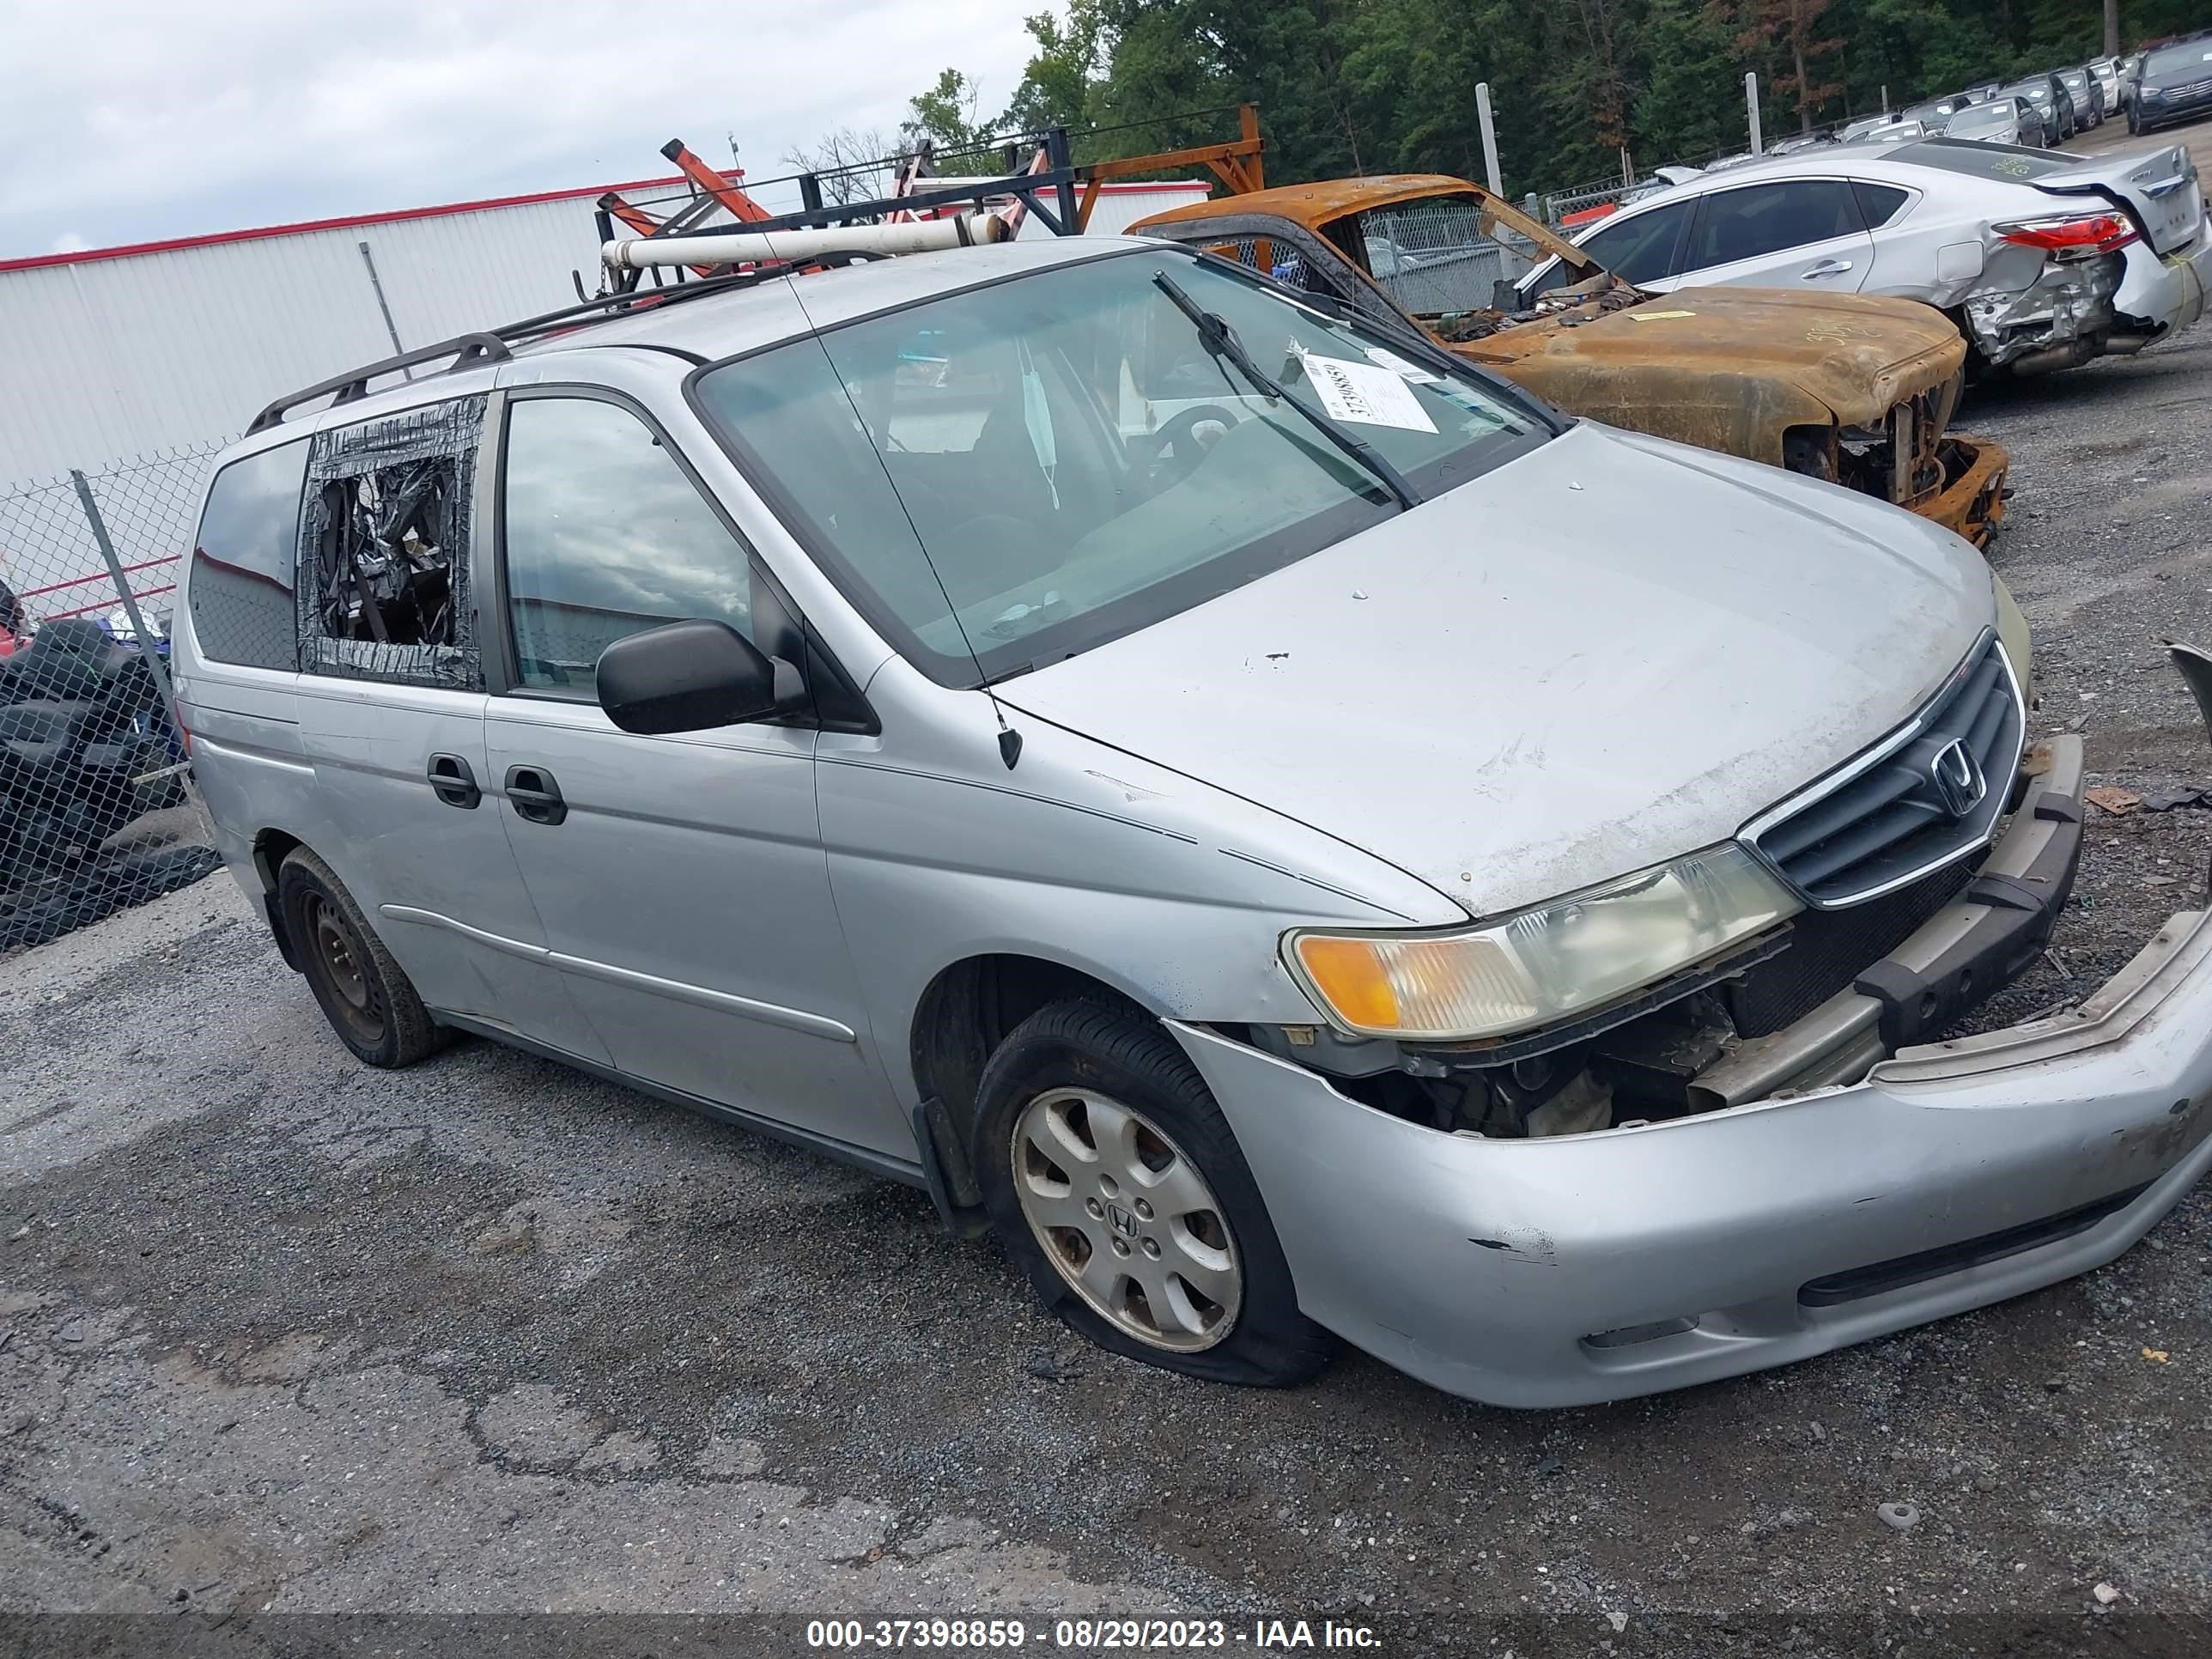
x=1971, y=501
x=1564, y=1270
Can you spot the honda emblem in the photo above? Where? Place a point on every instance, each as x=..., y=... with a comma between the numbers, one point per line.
x=1957, y=778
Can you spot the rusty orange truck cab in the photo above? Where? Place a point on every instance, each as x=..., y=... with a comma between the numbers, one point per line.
x=1856, y=390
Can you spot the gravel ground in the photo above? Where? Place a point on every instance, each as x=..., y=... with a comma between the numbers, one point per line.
x=280, y=1335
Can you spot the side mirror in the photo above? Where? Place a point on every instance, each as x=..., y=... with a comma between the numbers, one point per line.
x=693, y=677
x=1504, y=294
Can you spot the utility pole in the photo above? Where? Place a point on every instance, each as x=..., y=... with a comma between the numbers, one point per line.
x=1751, y=108
x=1489, y=137
x=2112, y=28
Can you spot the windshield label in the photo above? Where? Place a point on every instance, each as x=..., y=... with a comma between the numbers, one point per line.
x=1412, y=373
x=1364, y=393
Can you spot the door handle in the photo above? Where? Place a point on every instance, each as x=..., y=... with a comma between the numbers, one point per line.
x=534, y=795
x=1825, y=268
x=453, y=783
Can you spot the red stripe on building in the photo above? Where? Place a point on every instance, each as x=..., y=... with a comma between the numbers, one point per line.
x=349, y=222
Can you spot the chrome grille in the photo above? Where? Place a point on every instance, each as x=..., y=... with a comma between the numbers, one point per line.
x=1929, y=793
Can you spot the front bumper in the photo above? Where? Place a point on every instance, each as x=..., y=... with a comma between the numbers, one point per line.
x=1971, y=500
x=2166, y=111
x=1561, y=1270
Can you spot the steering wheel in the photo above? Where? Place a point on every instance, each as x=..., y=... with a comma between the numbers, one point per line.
x=1181, y=432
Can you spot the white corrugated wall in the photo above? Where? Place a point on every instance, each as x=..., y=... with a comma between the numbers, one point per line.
x=103, y=360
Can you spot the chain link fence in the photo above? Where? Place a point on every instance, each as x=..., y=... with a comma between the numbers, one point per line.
x=96, y=808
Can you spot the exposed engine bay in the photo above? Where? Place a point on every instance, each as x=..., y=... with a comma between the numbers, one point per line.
x=1815, y=1003
x=1584, y=301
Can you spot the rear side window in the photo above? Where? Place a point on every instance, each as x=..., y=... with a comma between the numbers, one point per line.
x=1879, y=202
x=606, y=535
x=1762, y=219
x=385, y=559
x=241, y=596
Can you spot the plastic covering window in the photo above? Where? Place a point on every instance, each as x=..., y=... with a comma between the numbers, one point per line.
x=384, y=550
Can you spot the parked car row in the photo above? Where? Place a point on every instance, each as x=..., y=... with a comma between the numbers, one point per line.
x=2044, y=259
x=2155, y=86
x=1272, y=797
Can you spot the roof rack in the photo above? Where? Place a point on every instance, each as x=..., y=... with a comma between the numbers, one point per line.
x=492, y=345
x=1237, y=164
x=1053, y=177
x=465, y=350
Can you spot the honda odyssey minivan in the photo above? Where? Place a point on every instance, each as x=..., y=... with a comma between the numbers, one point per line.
x=1294, y=836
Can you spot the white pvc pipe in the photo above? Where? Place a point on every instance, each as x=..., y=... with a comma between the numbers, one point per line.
x=749, y=247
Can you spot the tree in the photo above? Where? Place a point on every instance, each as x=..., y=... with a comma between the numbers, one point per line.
x=946, y=115
x=1690, y=107
x=844, y=157
x=1789, y=29
x=1055, y=88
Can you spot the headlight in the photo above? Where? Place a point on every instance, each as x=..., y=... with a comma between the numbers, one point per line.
x=1542, y=964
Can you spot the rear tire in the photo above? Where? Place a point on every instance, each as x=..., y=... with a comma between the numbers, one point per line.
x=364, y=993
x=1111, y=1176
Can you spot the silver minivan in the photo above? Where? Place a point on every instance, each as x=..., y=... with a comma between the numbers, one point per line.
x=1296, y=838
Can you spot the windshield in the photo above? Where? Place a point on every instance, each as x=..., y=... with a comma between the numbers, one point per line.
x=1431, y=254
x=1983, y=118
x=2038, y=93
x=1031, y=468
x=2189, y=54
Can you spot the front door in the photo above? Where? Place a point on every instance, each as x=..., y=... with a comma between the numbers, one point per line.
x=681, y=880
x=1801, y=233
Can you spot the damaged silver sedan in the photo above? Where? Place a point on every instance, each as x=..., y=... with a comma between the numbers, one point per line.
x=2044, y=259
x=1288, y=831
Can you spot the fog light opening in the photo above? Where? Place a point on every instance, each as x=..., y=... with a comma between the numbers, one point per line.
x=1627, y=1336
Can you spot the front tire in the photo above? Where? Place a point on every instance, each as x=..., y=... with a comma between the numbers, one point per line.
x=1111, y=1176
x=365, y=994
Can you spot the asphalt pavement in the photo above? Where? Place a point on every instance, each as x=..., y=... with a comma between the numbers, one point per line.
x=280, y=1335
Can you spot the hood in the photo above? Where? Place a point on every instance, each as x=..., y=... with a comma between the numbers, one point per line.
x=1858, y=354
x=1605, y=653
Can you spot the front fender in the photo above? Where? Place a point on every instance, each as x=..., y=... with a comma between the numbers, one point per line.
x=1169, y=890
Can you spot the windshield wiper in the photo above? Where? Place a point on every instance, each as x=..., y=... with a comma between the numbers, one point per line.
x=1220, y=342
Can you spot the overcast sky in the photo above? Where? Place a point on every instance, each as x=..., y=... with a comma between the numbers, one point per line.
x=134, y=121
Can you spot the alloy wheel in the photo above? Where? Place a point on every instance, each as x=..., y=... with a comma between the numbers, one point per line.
x=1127, y=1219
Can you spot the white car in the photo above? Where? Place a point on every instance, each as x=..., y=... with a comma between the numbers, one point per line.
x=2044, y=259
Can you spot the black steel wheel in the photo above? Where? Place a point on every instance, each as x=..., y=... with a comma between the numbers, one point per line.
x=365, y=994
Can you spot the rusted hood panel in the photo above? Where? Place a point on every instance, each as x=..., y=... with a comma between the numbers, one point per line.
x=1731, y=368
x=1326, y=200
